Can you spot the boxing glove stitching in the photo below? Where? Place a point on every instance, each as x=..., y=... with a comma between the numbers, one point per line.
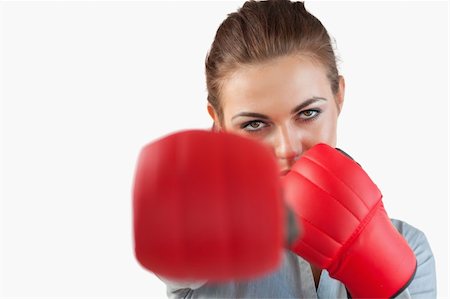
x=343, y=252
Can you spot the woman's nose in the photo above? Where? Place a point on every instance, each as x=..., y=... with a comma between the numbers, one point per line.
x=288, y=145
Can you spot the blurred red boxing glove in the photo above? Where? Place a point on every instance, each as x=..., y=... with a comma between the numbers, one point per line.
x=207, y=205
x=345, y=227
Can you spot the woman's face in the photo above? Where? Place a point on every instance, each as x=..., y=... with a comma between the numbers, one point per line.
x=286, y=103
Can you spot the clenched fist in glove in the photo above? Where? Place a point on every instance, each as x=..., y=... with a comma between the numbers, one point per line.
x=345, y=227
x=208, y=205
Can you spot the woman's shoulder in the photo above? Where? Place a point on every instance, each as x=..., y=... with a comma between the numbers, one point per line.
x=404, y=227
x=408, y=231
x=416, y=240
x=424, y=283
x=412, y=234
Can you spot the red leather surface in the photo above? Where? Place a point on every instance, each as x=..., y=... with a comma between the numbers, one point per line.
x=345, y=227
x=207, y=205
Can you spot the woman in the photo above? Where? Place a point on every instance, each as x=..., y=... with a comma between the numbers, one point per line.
x=271, y=75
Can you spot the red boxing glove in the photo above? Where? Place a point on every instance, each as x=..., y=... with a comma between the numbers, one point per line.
x=345, y=227
x=208, y=205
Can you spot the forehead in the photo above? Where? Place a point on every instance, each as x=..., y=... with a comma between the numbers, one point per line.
x=280, y=82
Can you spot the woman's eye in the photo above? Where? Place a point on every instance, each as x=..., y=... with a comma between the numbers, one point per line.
x=253, y=126
x=308, y=114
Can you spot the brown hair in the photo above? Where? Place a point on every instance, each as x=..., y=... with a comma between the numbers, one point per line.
x=263, y=30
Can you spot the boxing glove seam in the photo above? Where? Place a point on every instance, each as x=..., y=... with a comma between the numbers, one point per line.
x=343, y=252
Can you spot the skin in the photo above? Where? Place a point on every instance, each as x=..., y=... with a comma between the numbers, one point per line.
x=286, y=103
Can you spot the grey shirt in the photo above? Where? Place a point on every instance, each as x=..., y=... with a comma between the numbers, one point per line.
x=294, y=279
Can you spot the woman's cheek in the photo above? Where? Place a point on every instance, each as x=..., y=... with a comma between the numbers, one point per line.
x=327, y=134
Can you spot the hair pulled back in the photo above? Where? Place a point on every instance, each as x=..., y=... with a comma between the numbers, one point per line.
x=263, y=30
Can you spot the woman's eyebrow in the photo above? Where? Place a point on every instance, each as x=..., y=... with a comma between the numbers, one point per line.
x=251, y=114
x=307, y=103
x=294, y=111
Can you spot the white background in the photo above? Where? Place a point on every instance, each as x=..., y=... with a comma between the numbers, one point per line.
x=86, y=85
